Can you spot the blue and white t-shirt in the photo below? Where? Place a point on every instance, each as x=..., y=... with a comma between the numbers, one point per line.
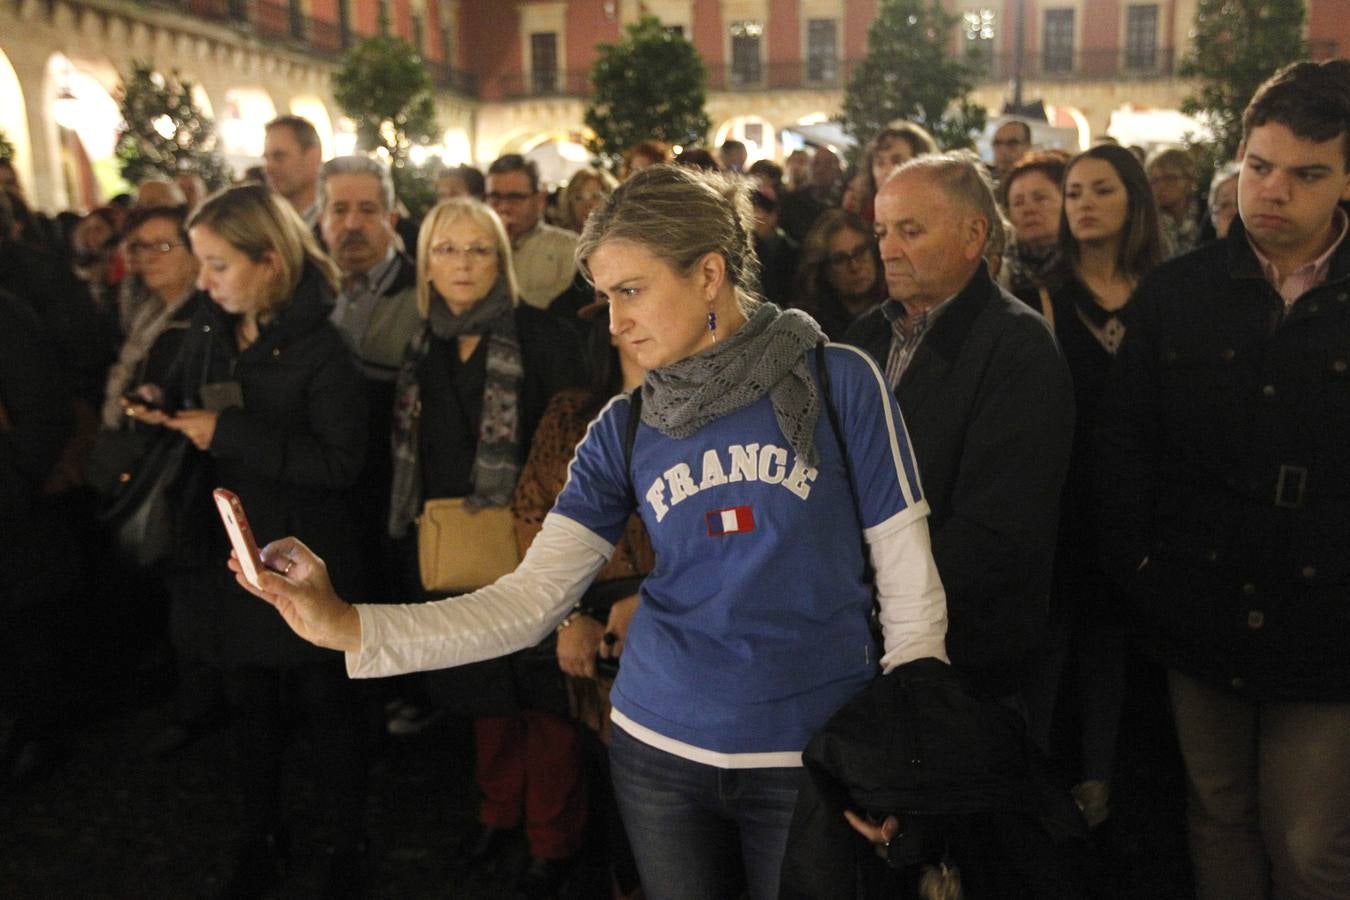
x=753, y=628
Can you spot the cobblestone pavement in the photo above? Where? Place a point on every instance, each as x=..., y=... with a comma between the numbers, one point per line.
x=108, y=822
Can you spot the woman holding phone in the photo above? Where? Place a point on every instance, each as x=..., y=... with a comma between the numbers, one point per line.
x=156, y=241
x=753, y=627
x=267, y=391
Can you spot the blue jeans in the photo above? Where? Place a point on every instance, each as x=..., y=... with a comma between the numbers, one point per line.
x=700, y=832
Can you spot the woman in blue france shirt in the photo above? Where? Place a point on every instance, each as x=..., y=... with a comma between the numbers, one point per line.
x=753, y=628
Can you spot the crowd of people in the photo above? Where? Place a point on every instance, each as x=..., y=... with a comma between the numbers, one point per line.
x=792, y=457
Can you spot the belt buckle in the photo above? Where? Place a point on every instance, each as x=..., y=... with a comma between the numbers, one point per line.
x=1293, y=480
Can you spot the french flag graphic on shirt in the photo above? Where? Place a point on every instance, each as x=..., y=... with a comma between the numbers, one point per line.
x=730, y=521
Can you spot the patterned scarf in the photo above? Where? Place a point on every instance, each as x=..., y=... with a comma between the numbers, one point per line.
x=149, y=321
x=767, y=355
x=1027, y=270
x=496, y=463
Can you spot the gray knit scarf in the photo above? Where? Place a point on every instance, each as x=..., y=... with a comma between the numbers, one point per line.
x=767, y=355
x=496, y=462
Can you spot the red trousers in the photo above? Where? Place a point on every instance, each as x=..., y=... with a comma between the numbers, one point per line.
x=531, y=764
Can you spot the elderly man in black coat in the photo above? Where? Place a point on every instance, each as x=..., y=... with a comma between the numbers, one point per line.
x=988, y=403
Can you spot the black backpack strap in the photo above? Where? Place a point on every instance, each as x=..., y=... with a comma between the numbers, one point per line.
x=830, y=410
x=833, y=413
x=630, y=432
x=838, y=430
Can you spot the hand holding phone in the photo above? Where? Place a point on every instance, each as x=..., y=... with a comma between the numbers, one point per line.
x=241, y=535
x=134, y=398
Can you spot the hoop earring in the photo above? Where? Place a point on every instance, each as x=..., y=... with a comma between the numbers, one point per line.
x=712, y=324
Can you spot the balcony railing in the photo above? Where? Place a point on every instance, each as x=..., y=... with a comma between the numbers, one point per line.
x=519, y=85
x=807, y=74
x=285, y=23
x=457, y=80
x=1132, y=62
x=834, y=74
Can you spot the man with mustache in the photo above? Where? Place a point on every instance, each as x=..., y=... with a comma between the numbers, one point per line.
x=1225, y=501
x=377, y=310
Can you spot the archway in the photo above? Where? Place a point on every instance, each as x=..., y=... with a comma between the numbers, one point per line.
x=247, y=110
x=816, y=129
x=756, y=132
x=313, y=108
x=202, y=99
x=14, y=122
x=1152, y=128
x=85, y=123
x=559, y=155
x=458, y=148
x=344, y=137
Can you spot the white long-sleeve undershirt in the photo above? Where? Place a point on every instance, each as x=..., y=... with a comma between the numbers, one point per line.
x=521, y=608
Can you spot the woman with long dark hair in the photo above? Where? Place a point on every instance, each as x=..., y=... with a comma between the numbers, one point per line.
x=1109, y=239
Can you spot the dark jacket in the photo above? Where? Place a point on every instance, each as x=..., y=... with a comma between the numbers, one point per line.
x=551, y=360
x=370, y=496
x=959, y=774
x=35, y=423
x=85, y=341
x=1225, y=463
x=290, y=452
x=988, y=404
x=1081, y=587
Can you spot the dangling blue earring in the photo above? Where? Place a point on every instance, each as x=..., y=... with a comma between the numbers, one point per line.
x=712, y=324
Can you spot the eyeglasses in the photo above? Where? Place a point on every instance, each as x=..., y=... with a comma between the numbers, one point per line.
x=1008, y=142
x=840, y=260
x=159, y=248
x=495, y=197
x=475, y=252
x=1165, y=178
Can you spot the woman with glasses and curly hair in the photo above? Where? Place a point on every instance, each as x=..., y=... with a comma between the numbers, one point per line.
x=839, y=277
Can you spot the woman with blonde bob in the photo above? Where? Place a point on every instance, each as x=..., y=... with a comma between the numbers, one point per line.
x=472, y=388
x=753, y=628
x=267, y=392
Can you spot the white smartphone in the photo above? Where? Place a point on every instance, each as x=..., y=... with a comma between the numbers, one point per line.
x=241, y=536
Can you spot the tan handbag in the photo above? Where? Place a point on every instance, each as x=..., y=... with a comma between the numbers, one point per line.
x=460, y=549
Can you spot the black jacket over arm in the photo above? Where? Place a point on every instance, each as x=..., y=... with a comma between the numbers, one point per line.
x=988, y=404
x=1224, y=476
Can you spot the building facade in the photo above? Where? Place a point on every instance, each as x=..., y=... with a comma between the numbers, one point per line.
x=512, y=74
